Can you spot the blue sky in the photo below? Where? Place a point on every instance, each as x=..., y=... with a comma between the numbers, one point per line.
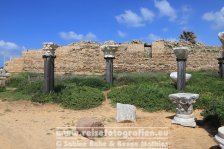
x=26, y=24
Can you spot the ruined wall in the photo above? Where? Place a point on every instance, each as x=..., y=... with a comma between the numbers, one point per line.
x=87, y=58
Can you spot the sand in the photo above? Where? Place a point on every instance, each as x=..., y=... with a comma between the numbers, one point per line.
x=27, y=125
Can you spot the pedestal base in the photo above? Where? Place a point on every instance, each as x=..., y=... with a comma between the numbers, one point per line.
x=219, y=138
x=184, y=120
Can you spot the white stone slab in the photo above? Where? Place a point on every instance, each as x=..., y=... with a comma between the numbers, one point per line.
x=126, y=113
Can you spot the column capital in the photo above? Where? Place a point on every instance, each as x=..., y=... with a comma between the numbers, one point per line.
x=109, y=48
x=181, y=53
x=49, y=48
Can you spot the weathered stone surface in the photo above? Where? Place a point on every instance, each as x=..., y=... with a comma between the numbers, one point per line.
x=184, y=108
x=126, y=113
x=173, y=76
x=87, y=58
x=181, y=52
x=90, y=127
x=109, y=48
x=220, y=137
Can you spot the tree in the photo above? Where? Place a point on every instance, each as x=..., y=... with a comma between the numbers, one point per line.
x=188, y=36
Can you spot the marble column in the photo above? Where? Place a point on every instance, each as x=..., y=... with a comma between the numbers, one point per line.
x=49, y=57
x=181, y=57
x=109, y=48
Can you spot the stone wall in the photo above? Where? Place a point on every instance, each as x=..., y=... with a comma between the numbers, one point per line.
x=87, y=58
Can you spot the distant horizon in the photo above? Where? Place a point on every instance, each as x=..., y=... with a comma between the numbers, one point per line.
x=27, y=24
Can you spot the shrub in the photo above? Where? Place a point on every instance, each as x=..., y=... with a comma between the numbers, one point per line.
x=137, y=78
x=215, y=112
x=147, y=96
x=2, y=89
x=94, y=82
x=41, y=97
x=81, y=97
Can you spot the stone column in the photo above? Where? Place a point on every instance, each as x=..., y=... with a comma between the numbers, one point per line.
x=109, y=70
x=49, y=57
x=181, y=57
x=109, y=48
x=221, y=56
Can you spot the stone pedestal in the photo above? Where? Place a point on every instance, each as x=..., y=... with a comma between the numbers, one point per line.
x=184, y=108
x=109, y=48
x=219, y=138
x=49, y=57
x=3, y=77
x=2, y=81
x=181, y=57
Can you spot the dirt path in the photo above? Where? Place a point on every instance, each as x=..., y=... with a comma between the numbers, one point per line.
x=26, y=125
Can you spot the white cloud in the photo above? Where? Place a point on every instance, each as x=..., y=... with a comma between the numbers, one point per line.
x=147, y=15
x=74, y=36
x=8, y=49
x=121, y=34
x=132, y=19
x=216, y=17
x=185, y=14
x=153, y=37
x=7, y=45
x=165, y=29
x=166, y=9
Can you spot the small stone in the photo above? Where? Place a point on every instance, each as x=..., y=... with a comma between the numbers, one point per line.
x=90, y=127
x=126, y=113
x=173, y=76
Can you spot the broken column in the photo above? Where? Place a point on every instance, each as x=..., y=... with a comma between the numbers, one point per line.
x=3, y=77
x=184, y=108
x=181, y=57
x=221, y=56
x=49, y=57
x=109, y=48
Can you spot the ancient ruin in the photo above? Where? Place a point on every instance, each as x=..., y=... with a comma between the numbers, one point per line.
x=87, y=58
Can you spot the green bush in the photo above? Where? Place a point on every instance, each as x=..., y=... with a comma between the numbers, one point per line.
x=94, y=82
x=72, y=97
x=81, y=97
x=215, y=112
x=30, y=88
x=41, y=97
x=138, y=78
x=2, y=89
x=147, y=96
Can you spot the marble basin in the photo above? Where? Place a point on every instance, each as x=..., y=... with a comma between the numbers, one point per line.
x=219, y=138
x=173, y=77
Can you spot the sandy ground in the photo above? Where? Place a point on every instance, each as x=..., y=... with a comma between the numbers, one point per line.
x=26, y=125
